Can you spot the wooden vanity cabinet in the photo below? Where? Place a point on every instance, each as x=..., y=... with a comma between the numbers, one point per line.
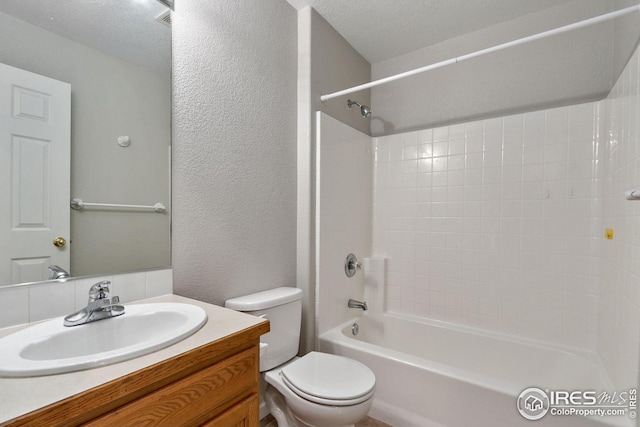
x=215, y=385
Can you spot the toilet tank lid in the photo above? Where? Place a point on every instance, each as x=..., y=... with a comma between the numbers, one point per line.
x=265, y=299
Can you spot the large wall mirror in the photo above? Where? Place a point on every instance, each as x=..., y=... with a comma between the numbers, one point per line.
x=115, y=56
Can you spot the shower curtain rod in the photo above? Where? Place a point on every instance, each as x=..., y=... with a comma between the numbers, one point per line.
x=559, y=30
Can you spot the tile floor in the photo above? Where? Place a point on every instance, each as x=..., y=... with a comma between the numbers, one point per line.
x=371, y=422
x=367, y=422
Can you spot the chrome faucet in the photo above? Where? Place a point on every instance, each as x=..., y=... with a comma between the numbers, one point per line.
x=100, y=306
x=357, y=304
x=57, y=273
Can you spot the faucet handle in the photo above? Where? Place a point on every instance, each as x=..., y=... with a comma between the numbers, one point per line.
x=99, y=291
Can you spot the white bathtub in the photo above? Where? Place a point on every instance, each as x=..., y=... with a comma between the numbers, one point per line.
x=432, y=374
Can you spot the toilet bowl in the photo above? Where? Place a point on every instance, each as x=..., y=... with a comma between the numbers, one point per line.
x=319, y=390
x=315, y=390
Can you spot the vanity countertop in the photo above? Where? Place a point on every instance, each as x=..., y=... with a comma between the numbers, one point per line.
x=20, y=396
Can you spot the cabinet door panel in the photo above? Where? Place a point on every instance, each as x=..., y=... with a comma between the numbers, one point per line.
x=244, y=414
x=192, y=400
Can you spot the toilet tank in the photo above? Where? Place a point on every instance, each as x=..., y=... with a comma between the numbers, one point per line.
x=283, y=308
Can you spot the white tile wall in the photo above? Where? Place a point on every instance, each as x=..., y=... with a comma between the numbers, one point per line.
x=49, y=300
x=619, y=327
x=495, y=224
x=30, y=303
x=14, y=306
x=158, y=282
x=374, y=270
x=498, y=224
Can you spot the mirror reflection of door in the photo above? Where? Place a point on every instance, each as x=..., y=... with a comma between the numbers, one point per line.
x=35, y=144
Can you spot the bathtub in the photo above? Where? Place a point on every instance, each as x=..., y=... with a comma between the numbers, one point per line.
x=433, y=374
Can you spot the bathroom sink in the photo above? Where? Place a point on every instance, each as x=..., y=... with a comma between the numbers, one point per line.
x=50, y=348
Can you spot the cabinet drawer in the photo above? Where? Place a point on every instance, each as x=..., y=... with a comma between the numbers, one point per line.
x=194, y=399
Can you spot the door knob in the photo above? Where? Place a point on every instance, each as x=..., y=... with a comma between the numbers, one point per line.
x=59, y=242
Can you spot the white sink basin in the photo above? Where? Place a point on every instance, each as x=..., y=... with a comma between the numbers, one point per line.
x=51, y=348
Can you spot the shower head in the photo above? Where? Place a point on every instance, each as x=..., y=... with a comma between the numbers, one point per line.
x=364, y=109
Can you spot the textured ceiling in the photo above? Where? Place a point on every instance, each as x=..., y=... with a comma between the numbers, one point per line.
x=383, y=29
x=123, y=28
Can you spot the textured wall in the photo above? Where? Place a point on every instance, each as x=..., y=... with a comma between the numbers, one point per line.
x=326, y=62
x=110, y=97
x=234, y=148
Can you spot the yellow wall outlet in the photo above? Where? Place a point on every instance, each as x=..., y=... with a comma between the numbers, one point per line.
x=608, y=233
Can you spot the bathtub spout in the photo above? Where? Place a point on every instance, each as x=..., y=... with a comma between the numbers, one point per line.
x=357, y=304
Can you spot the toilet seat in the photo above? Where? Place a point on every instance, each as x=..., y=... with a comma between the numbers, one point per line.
x=328, y=379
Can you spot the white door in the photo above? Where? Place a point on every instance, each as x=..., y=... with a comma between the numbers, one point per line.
x=35, y=150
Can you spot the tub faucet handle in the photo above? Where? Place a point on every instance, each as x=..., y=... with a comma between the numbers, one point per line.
x=351, y=264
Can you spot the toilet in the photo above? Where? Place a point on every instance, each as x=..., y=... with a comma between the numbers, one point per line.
x=315, y=390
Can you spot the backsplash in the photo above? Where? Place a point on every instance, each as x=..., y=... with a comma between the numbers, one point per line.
x=38, y=301
x=496, y=223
